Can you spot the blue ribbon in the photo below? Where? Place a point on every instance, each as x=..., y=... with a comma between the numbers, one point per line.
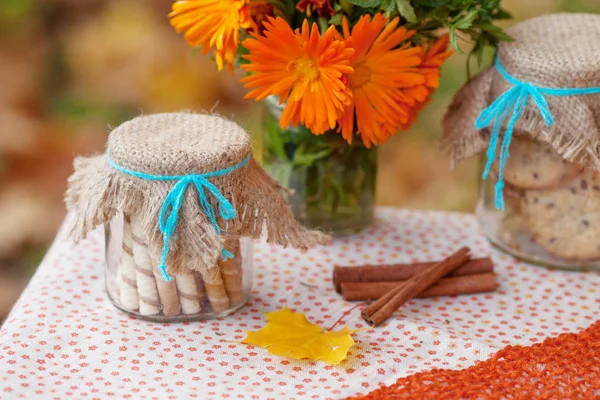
x=515, y=99
x=169, y=213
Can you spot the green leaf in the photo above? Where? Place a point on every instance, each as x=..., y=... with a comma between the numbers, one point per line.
x=345, y=6
x=301, y=158
x=430, y=3
x=406, y=10
x=273, y=139
x=496, y=32
x=365, y=3
x=389, y=6
x=502, y=14
x=454, y=41
x=336, y=19
x=279, y=170
x=476, y=51
x=467, y=20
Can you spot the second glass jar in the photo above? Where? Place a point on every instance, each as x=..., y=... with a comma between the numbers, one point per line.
x=552, y=208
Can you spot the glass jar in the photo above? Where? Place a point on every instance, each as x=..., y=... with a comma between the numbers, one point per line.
x=331, y=182
x=134, y=284
x=552, y=208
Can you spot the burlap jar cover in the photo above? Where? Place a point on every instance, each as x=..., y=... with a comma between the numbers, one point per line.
x=540, y=103
x=554, y=51
x=189, y=184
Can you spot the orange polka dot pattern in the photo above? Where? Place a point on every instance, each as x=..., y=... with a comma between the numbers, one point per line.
x=63, y=339
x=566, y=367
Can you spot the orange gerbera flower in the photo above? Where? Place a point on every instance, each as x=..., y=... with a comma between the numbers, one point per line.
x=212, y=24
x=305, y=70
x=433, y=57
x=383, y=69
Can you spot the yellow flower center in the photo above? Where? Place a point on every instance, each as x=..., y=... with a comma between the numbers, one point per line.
x=360, y=76
x=305, y=67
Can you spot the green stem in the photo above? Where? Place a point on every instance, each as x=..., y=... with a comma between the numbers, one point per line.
x=323, y=25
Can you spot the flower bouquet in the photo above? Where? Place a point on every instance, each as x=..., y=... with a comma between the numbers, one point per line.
x=337, y=78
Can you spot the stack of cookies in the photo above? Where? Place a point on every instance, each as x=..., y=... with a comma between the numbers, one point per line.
x=558, y=202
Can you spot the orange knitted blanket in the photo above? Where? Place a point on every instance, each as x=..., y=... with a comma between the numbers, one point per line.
x=566, y=367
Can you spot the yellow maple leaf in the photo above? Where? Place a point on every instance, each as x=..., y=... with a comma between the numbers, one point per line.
x=290, y=334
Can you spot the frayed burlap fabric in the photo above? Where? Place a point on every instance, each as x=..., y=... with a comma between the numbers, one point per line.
x=180, y=144
x=555, y=51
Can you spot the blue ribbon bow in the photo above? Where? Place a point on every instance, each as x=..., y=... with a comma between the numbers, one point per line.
x=169, y=212
x=515, y=98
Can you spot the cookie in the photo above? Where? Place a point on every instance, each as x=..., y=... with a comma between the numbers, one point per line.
x=566, y=220
x=535, y=165
x=513, y=195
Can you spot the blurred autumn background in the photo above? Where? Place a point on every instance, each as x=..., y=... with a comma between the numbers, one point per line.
x=71, y=69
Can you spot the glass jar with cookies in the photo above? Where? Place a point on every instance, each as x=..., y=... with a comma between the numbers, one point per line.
x=551, y=210
x=534, y=114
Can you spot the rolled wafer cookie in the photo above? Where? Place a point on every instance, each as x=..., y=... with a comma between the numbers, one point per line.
x=215, y=289
x=146, y=284
x=127, y=282
x=117, y=290
x=189, y=295
x=167, y=292
x=200, y=287
x=231, y=272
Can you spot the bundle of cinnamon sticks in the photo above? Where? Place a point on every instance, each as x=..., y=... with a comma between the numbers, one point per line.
x=394, y=285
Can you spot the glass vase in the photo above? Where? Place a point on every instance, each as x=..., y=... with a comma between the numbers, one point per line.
x=331, y=183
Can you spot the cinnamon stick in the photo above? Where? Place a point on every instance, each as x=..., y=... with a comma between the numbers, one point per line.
x=401, y=272
x=451, y=286
x=382, y=309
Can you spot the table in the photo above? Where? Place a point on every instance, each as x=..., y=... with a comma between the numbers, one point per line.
x=63, y=339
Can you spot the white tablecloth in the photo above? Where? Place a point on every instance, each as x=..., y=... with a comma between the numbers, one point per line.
x=63, y=339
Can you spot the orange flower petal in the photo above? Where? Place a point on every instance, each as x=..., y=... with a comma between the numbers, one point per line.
x=392, y=79
x=212, y=24
x=304, y=68
x=383, y=67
